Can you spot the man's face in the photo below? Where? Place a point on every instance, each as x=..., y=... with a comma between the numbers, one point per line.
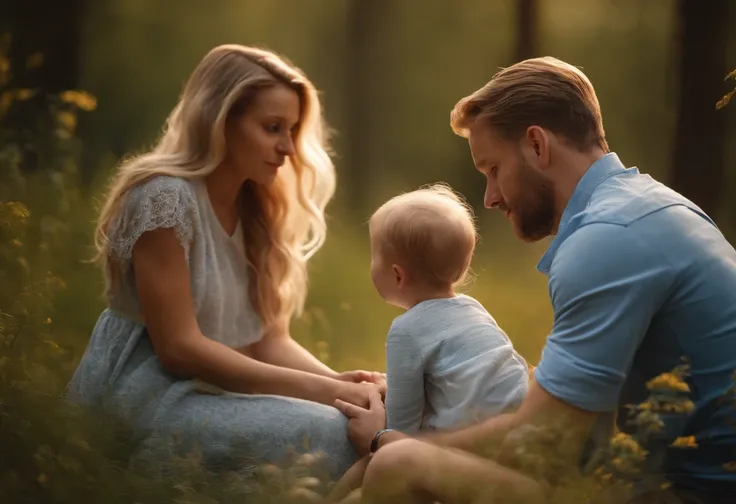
x=514, y=184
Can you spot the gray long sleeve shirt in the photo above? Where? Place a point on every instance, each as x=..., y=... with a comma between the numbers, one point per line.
x=449, y=364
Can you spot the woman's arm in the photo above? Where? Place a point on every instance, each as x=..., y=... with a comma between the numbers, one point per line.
x=277, y=347
x=164, y=290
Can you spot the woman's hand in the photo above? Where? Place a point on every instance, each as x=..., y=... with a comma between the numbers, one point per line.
x=356, y=393
x=359, y=376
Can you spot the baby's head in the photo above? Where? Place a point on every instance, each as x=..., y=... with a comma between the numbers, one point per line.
x=422, y=243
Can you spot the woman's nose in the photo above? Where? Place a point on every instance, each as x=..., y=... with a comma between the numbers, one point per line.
x=286, y=146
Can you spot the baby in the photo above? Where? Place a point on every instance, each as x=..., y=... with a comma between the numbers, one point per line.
x=448, y=363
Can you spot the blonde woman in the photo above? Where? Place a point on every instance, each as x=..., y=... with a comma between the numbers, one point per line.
x=204, y=242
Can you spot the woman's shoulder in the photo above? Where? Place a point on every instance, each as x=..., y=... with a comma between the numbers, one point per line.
x=164, y=184
x=161, y=201
x=164, y=194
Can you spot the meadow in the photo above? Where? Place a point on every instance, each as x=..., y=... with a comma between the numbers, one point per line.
x=51, y=297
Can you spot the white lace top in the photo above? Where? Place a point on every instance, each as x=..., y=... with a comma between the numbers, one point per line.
x=217, y=264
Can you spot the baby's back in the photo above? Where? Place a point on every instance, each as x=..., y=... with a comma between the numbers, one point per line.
x=449, y=363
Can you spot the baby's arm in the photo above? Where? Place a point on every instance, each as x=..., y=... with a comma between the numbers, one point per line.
x=511, y=374
x=405, y=400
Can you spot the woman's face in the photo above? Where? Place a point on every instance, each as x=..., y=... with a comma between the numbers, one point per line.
x=260, y=139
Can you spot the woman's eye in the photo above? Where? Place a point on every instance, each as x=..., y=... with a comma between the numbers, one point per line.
x=273, y=128
x=494, y=170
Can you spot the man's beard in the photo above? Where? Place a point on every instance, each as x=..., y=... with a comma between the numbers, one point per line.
x=534, y=210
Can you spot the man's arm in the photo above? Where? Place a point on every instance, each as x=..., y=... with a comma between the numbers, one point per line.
x=537, y=408
x=606, y=285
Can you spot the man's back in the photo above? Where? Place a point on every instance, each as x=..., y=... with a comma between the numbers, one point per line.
x=696, y=321
x=659, y=282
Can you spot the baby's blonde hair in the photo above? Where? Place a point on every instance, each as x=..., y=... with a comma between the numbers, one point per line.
x=430, y=232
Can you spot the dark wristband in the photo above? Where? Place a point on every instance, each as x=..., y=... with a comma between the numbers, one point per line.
x=376, y=437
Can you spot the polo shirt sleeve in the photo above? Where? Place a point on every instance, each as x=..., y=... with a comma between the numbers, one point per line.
x=606, y=283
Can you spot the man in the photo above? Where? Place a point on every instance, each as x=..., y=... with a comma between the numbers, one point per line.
x=639, y=277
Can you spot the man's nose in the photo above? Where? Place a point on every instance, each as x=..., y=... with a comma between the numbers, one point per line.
x=492, y=197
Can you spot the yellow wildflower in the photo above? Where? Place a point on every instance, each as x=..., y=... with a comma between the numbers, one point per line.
x=668, y=381
x=24, y=94
x=68, y=120
x=626, y=443
x=18, y=210
x=685, y=442
x=81, y=99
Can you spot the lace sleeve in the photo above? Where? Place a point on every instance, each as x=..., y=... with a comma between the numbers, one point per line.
x=162, y=202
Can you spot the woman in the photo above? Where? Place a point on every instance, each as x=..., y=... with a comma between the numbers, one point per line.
x=204, y=242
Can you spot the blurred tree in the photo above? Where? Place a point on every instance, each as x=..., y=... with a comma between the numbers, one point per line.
x=364, y=21
x=48, y=32
x=527, y=32
x=43, y=41
x=698, y=167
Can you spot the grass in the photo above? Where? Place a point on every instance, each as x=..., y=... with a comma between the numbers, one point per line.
x=50, y=301
x=49, y=304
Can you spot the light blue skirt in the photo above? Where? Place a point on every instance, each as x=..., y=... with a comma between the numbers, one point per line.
x=121, y=374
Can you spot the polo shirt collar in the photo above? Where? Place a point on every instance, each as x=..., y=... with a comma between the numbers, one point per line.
x=604, y=168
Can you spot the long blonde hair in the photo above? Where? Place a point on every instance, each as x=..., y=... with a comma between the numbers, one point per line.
x=283, y=224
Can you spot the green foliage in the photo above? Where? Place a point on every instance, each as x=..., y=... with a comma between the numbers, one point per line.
x=52, y=452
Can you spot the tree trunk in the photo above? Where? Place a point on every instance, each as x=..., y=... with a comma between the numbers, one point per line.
x=44, y=57
x=698, y=165
x=527, y=34
x=49, y=28
x=364, y=21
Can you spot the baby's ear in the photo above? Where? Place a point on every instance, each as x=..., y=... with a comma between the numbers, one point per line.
x=399, y=275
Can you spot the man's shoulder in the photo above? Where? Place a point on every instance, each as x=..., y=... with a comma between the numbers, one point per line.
x=634, y=214
x=629, y=198
x=600, y=242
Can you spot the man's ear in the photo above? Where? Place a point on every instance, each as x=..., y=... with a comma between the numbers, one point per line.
x=539, y=142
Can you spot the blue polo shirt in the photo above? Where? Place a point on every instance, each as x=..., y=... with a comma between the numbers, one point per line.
x=640, y=277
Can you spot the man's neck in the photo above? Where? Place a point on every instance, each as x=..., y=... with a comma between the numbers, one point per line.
x=572, y=167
